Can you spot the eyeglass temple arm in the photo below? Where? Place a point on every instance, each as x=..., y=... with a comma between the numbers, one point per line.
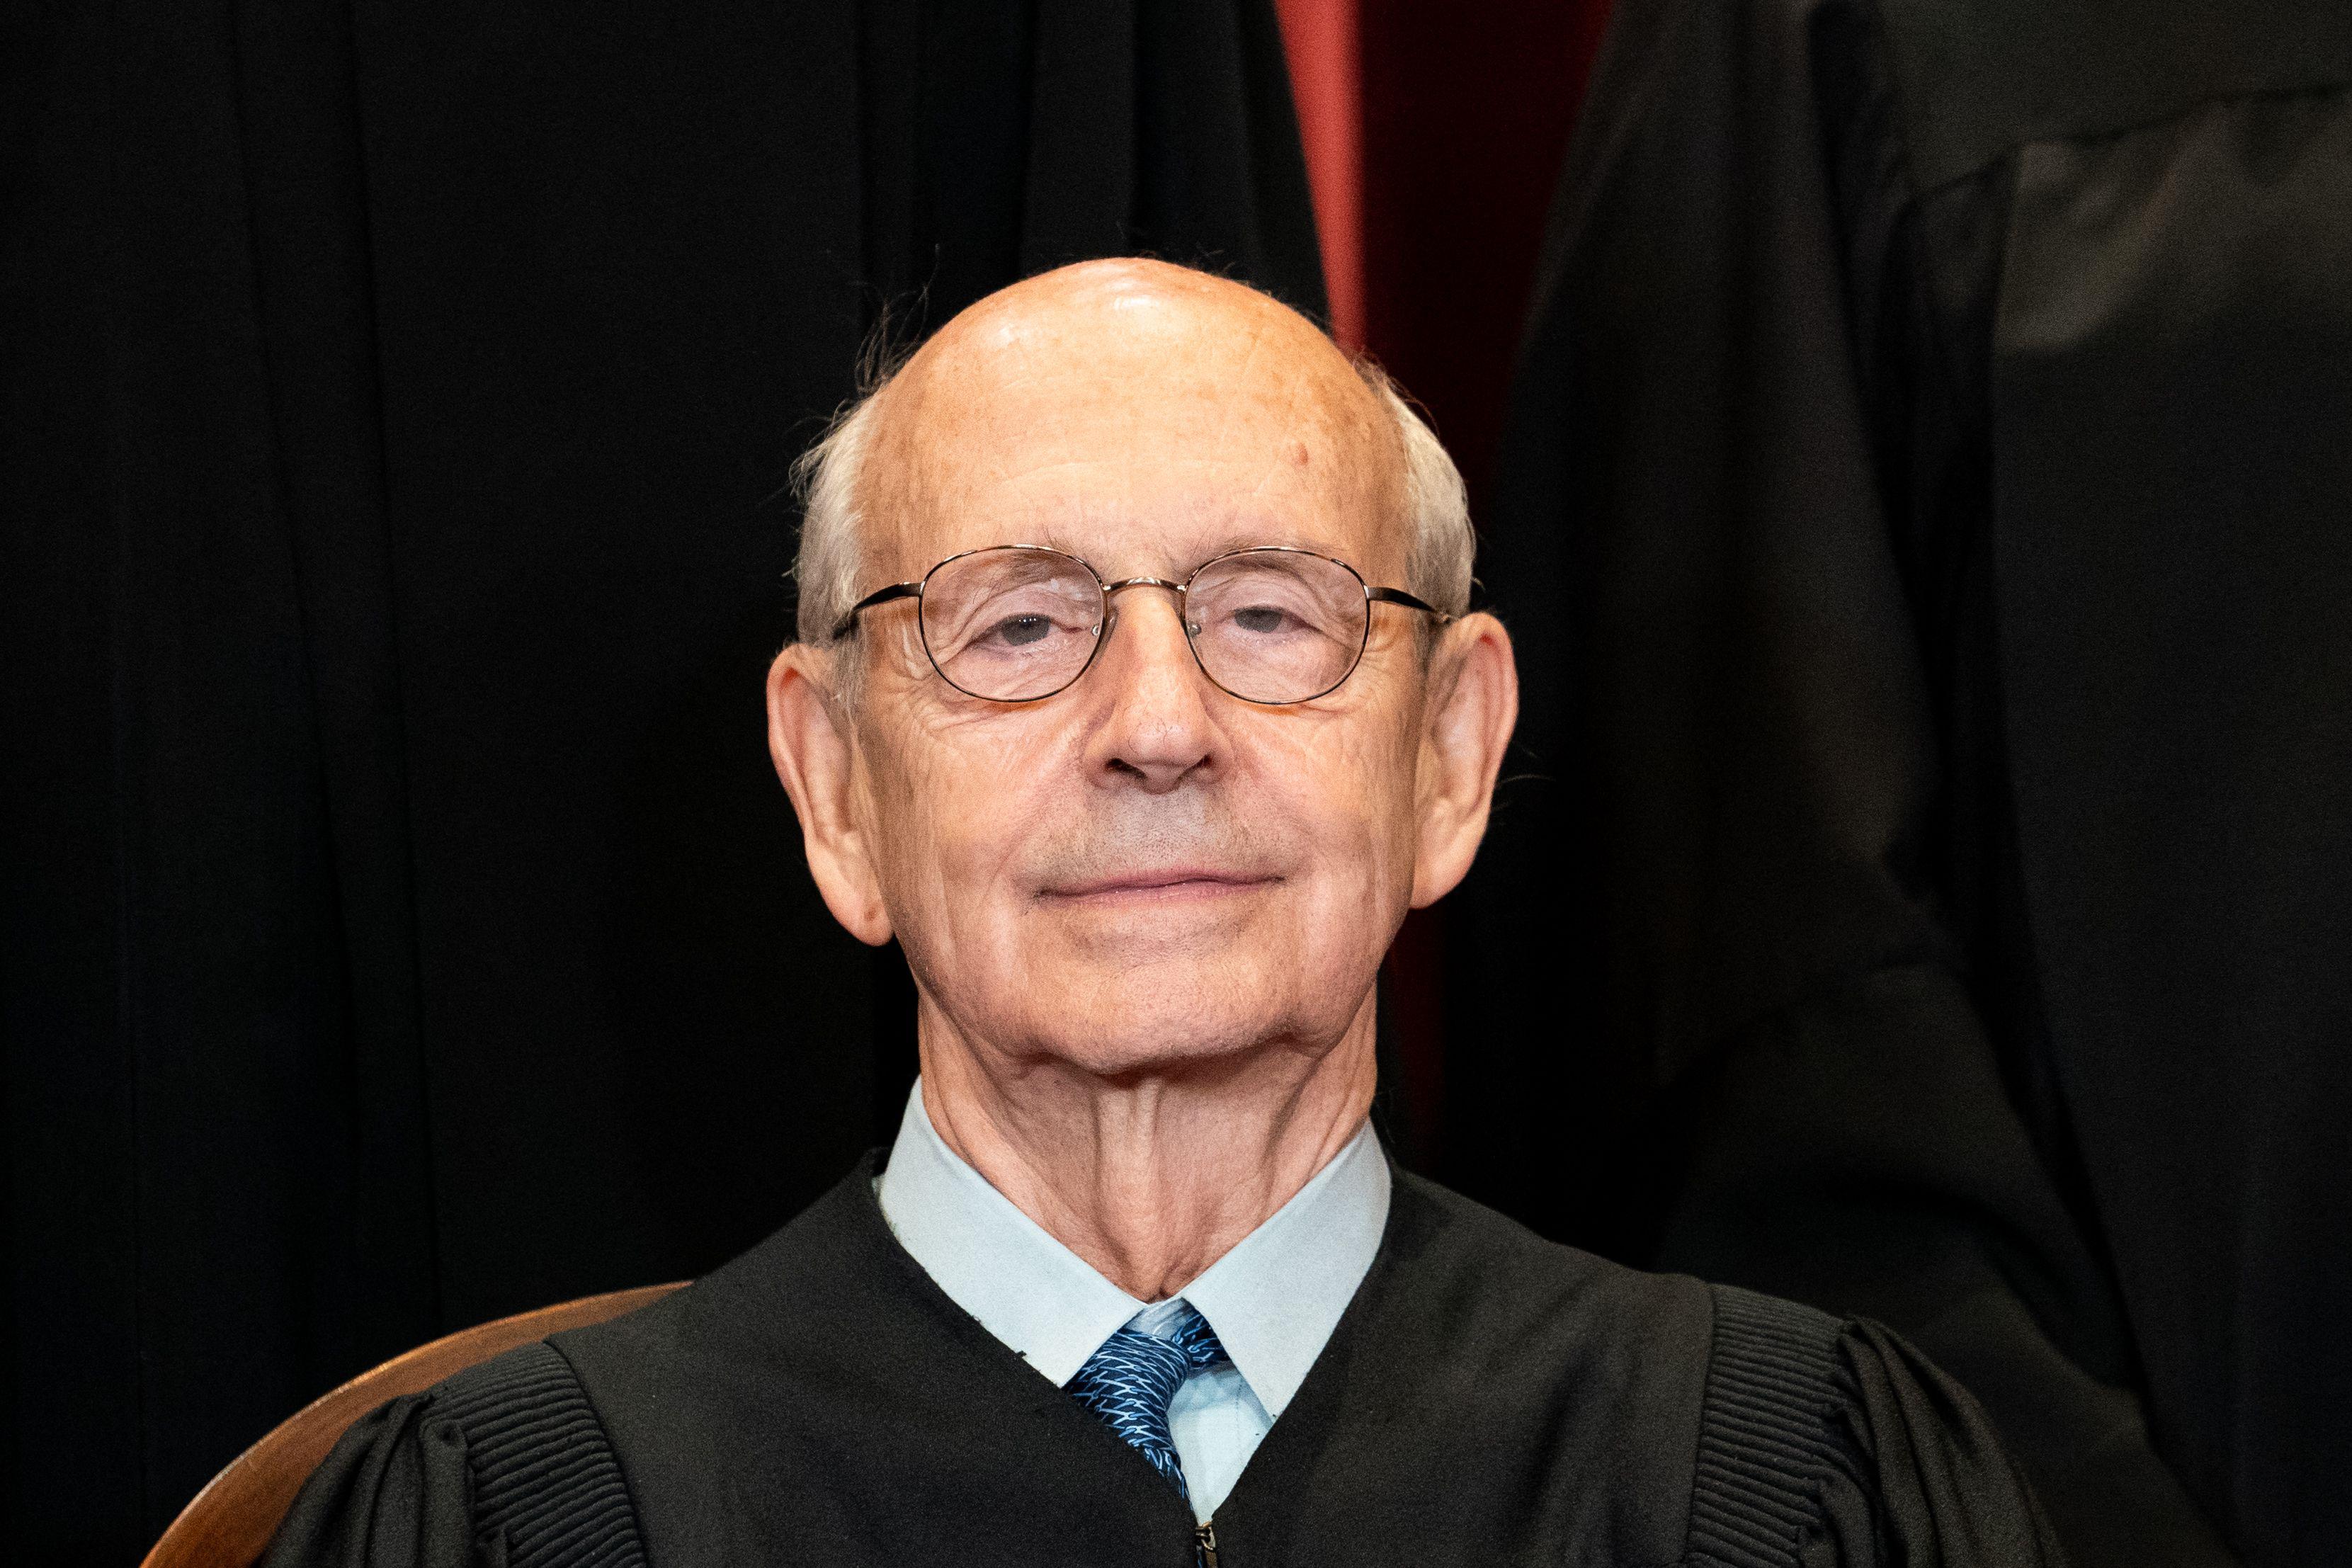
x=1399, y=596
x=842, y=627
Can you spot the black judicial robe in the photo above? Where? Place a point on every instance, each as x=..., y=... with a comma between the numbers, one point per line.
x=1488, y=1397
x=1927, y=522
x=402, y=925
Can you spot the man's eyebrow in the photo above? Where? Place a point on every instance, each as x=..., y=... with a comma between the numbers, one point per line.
x=1239, y=538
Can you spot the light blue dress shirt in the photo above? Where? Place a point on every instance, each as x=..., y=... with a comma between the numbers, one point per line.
x=1272, y=1300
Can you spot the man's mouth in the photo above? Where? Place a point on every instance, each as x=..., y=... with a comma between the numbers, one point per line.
x=1158, y=884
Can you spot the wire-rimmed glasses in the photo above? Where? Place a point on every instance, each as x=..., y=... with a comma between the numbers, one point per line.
x=1018, y=623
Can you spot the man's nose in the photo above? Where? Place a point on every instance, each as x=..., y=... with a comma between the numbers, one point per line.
x=1160, y=732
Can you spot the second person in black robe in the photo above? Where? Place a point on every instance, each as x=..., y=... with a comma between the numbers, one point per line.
x=1924, y=523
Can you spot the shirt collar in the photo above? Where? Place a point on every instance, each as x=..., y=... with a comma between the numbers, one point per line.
x=1272, y=1299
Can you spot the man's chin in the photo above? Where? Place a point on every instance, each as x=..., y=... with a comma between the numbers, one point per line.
x=1175, y=929
x=1130, y=1047
x=1171, y=1012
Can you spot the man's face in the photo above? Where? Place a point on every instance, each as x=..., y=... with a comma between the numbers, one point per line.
x=1142, y=868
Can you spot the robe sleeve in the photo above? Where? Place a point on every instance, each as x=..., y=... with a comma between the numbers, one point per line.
x=394, y=1493
x=1926, y=1484
x=1734, y=660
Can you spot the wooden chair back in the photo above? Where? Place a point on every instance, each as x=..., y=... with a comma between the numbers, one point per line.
x=229, y=1523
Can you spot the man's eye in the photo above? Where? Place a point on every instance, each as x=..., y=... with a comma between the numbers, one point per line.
x=1260, y=618
x=1022, y=630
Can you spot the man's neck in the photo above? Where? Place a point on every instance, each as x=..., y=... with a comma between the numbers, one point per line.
x=1152, y=1178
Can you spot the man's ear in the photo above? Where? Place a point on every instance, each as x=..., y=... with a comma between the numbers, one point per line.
x=808, y=736
x=1473, y=704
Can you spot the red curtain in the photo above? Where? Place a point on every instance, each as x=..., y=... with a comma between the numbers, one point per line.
x=1433, y=133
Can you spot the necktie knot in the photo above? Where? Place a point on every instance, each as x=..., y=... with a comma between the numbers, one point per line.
x=1130, y=1381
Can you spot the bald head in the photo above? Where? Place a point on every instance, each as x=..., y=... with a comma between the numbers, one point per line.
x=1089, y=366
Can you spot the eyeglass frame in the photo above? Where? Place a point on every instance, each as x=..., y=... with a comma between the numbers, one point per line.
x=1100, y=630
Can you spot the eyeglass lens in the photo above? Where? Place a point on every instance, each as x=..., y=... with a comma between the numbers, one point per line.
x=1013, y=625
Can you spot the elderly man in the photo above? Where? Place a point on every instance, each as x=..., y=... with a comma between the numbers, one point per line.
x=1137, y=697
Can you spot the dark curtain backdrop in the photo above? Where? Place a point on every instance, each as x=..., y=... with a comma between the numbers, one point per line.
x=1464, y=113
x=403, y=924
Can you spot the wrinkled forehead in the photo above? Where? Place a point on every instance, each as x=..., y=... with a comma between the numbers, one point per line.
x=1144, y=428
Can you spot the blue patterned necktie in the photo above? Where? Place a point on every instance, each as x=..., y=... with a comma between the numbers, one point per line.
x=1130, y=1381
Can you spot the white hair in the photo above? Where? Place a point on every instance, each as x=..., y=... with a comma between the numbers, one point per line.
x=829, y=570
x=1441, y=542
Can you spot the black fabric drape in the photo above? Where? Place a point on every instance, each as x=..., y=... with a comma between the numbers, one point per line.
x=404, y=926
x=1923, y=521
